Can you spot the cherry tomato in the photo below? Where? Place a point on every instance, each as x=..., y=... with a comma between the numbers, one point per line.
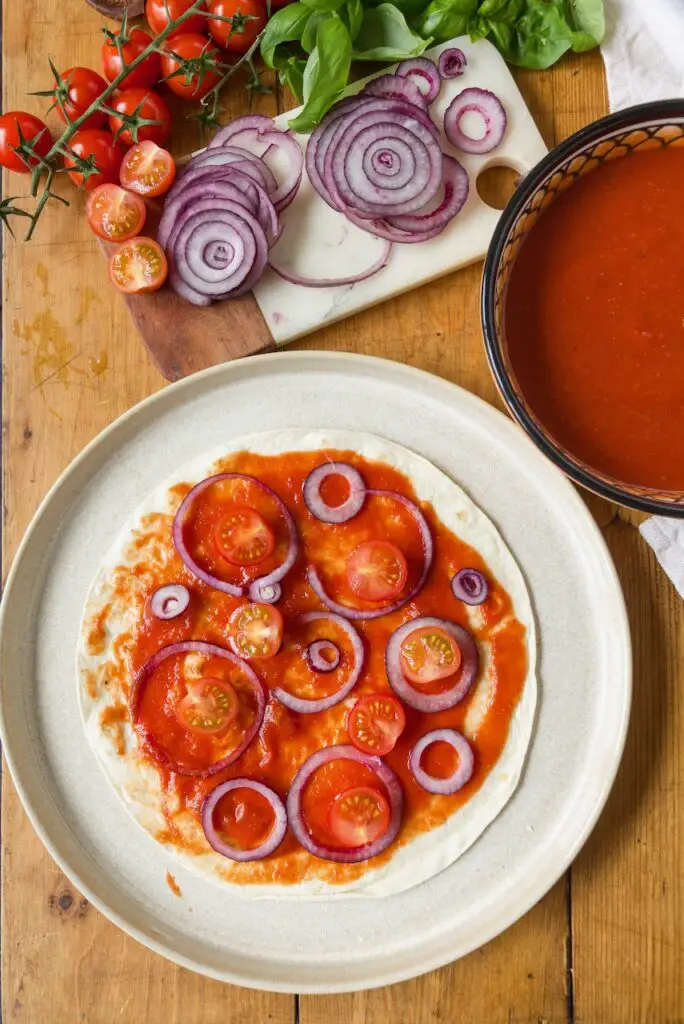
x=138, y=266
x=147, y=73
x=190, y=46
x=31, y=128
x=146, y=104
x=256, y=631
x=114, y=214
x=429, y=654
x=375, y=723
x=107, y=154
x=78, y=89
x=155, y=12
x=147, y=169
x=376, y=570
x=208, y=707
x=243, y=537
x=248, y=19
x=359, y=816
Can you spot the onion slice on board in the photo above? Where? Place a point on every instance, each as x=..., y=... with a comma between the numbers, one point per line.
x=397, y=87
x=464, y=768
x=423, y=73
x=259, y=135
x=384, y=774
x=309, y=707
x=490, y=109
x=470, y=586
x=316, y=583
x=259, y=589
x=452, y=62
x=211, y=651
x=350, y=507
x=412, y=695
x=323, y=655
x=170, y=601
x=234, y=852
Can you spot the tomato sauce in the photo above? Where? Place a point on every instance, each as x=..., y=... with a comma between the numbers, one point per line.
x=286, y=739
x=594, y=319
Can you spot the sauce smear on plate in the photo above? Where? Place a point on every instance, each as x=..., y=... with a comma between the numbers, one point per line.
x=595, y=319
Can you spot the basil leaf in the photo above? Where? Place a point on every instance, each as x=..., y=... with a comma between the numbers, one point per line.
x=323, y=5
x=445, y=19
x=292, y=75
x=286, y=26
x=352, y=16
x=327, y=72
x=540, y=37
x=588, y=18
x=385, y=35
x=311, y=30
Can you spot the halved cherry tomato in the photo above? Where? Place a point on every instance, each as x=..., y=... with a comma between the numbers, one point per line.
x=138, y=266
x=107, y=154
x=146, y=104
x=147, y=73
x=147, y=169
x=375, y=723
x=429, y=654
x=248, y=17
x=32, y=130
x=190, y=46
x=377, y=570
x=256, y=631
x=158, y=18
x=359, y=816
x=208, y=707
x=243, y=537
x=115, y=214
x=78, y=89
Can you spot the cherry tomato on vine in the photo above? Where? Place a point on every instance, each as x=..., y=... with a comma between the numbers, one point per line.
x=248, y=19
x=147, y=73
x=147, y=169
x=155, y=12
x=107, y=154
x=79, y=88
x=115, y=214
x=31, y=128
x=190, y=46
x=148, y=105
x=138, y=266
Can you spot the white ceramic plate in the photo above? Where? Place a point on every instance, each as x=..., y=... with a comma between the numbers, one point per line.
x=333, y=944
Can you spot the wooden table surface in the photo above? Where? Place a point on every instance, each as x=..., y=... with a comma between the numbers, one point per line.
x=606, y=945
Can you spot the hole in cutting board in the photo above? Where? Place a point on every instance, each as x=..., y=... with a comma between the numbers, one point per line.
x=496, y=185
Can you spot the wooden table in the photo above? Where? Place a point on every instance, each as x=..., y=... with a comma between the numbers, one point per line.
x=606, y=945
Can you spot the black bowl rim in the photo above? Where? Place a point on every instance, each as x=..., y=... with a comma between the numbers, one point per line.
x=655, y=110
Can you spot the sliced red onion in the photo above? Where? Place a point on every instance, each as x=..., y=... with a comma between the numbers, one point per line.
x=319, y=590
x=334, y=513
x=259, y=135
x=232, y=155
x=238, y=188
x=259, y=589
x=170, y=601
x=384, y=774
x=452, y=62
x=470, y=586
x=213, y=651
x=423, y=73
x=234, y=852
x=464, y=769
x=410, y=227
x=489, y=107
x=323, y=656
x=309, y=707
x=410, y=694
x=330, y=282
x=251, y=122
x=396, y=87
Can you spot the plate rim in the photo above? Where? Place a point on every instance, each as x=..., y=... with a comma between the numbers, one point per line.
x=544, y=880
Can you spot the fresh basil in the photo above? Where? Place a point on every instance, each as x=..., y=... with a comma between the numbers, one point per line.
x=352, y=16
x=291, y=74
x=536, y=33
x=327, y=73
x=446, y=19
x=311, y=30
x=385, y=35
x=286, y=26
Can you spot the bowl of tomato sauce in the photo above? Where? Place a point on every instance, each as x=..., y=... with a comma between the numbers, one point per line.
x=583, y=306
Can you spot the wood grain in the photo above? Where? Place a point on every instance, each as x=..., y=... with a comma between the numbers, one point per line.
x=605, y=946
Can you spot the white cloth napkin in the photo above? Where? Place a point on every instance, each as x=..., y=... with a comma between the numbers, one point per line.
x=644, y=57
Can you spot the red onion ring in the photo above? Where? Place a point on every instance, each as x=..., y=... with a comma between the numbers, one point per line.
x=233, y=852
x=490, y=108
x=170, y=601
x=397, y=87
x=458, y=778
x=423, y=73
x=229, y=155
x=309, y=707
x=334, y=513
x=319, y=590
x=323, y=656
x=259, y=131
x=237, y=188
x=470, y=586
x=262, y=583
x=213, y=651
x=430, y=702
x=330, y=282
x=452, y=62
x=413, y=227
x=294, y=809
